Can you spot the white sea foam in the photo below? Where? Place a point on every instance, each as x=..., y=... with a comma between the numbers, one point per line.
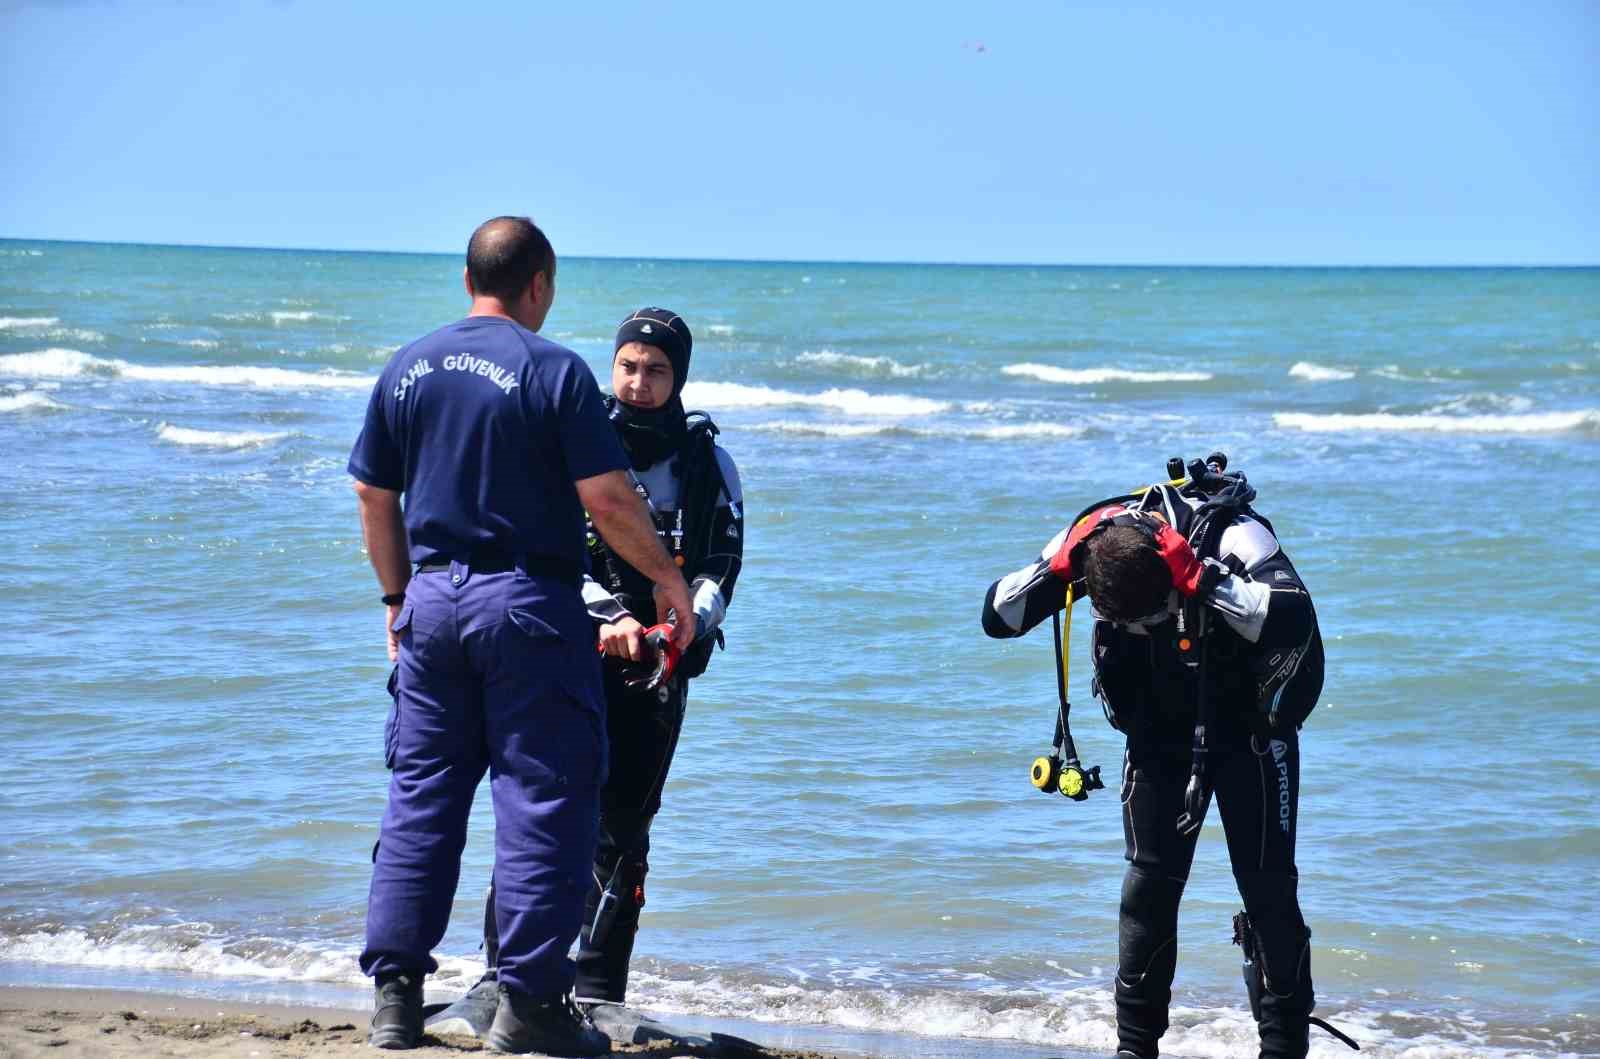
x=279, y=317
x=875, y=367
x=1079, y=1017
x=1394, y=373
x=1026, y=430
x=29, y=401
x=72, y=363
x=195, y=948
x=1003, y=432
x=718, y=395
x=835, y=430
x=1312, y=372
x=217, y=439
x=201, y=343
x=74, y=334
x=1587, y=419
x=857, y=998
x=720, y=329
x=1094, y=376
x=23, y=323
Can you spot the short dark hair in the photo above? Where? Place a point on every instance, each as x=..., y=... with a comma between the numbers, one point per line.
x=1127, y=577
x=504, y=255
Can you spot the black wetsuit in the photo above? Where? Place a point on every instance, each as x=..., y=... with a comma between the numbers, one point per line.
x=1263, y=672
x=698, y=507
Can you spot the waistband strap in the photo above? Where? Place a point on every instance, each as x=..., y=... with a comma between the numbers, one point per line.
x=499, y=563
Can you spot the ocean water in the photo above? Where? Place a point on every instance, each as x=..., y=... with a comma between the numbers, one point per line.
x=191, y=662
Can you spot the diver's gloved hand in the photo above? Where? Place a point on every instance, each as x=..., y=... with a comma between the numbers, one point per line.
x=1190, y=576
x=658, y=667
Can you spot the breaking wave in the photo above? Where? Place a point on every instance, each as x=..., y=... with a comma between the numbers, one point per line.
x=279, y=317
x=870, y=367
x=1587, y=419
x=718, y=395
x=217, y=439
x=29, y=400
x=23, y=323
x=1311, y=372
x=1094, y=376
x=1062, y=1015
x=72, y=364
x=1004, y=432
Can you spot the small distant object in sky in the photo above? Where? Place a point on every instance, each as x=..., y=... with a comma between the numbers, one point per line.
x=976, y=46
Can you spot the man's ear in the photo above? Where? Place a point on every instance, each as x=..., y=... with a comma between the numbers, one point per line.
x=466, y=281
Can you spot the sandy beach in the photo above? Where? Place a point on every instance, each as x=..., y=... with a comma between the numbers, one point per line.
x=73, y=1022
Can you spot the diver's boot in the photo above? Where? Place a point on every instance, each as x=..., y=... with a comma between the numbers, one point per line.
x=547, y=1025
x=397, y=1012
x=1286, y=1017
x=611, y=918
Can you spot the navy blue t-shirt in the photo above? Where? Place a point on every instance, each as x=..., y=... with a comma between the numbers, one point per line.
x=484, y=427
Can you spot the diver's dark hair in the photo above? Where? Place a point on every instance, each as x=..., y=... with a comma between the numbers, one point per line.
x=504, y=255
x=1127, y=577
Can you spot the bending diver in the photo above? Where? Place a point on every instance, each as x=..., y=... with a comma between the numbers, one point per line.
x=1207, y=656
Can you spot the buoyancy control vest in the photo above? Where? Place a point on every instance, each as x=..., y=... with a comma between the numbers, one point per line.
x=1155, y=680
x=685, y=530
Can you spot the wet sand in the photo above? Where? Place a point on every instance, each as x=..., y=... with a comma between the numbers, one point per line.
x=76, y=1022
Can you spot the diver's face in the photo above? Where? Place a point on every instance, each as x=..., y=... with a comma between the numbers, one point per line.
x=641, y=376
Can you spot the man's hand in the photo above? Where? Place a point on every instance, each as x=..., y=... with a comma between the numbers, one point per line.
x=673, y=595
x=625, y=523
x=392, y=612
x=624, y=640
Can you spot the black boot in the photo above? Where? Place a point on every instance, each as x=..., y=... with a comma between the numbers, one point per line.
x=397, y=1012
x=549, y=1026
x=1286, y=1016
x=611, y=910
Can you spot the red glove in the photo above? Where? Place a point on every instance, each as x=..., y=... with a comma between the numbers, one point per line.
x=1190, y=576
x=1061, y=563
x=659, y=639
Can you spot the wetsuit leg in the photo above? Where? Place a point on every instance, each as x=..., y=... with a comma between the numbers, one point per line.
x=1258, y=790
x=643, y=728
x=1153, y=781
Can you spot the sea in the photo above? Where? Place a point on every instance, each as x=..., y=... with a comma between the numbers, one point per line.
x=849, y=852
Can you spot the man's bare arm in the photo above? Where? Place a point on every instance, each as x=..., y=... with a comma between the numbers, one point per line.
x=384, y=530
x=624, y=521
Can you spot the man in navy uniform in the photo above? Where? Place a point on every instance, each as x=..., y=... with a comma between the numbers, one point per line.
x=498, y=441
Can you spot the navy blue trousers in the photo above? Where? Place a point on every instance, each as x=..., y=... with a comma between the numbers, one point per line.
x=497, y=673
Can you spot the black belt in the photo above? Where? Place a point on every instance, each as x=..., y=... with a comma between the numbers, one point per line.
x=500, y=562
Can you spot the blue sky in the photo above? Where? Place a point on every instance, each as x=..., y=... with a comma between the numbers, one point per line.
x=1084, y=133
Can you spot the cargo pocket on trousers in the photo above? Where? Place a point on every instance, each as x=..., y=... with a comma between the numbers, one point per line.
x=391, y=726
x=583, y=696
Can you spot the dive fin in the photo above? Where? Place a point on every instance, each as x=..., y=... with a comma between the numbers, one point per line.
x=471, y=1016
x=627, y=1026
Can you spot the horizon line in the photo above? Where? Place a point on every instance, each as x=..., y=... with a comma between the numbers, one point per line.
x=826, y=261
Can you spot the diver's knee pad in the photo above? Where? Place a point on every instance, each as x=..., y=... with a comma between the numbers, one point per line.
x=1147, y=957
x=1148, y=923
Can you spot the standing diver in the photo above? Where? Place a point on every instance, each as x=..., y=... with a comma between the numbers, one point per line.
x=692, y=489
x=1207, y=656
